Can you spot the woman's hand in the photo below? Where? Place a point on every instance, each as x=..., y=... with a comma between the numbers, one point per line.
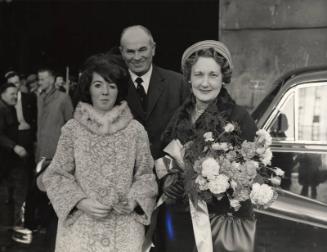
x=93, y=208
x=172, y=186
x=125, y=207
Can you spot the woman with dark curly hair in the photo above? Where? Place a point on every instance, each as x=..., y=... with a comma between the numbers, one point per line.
x=101, y=180
x=207, y=67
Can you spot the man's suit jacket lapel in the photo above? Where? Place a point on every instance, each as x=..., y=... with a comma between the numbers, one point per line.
x=156, y=87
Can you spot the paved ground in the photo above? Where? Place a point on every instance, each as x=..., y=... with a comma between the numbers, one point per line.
x=6, y=243
x=273, y=235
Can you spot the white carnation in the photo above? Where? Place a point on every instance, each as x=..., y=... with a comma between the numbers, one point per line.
x=251, y=168
x=229, y=127
x=210, y=168
x=219, y=184
x=220, y=146
x=266, y=157
x=263, y=137
x=279, y=172
x=261, y=194
x=208, y=137
x=260, y=150
x=236, y=166
x=275, y=180
x=235, y=204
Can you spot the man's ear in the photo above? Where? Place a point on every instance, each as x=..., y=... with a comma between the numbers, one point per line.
x=153, y=48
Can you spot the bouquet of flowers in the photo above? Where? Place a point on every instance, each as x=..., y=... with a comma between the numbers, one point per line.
x=238, y=170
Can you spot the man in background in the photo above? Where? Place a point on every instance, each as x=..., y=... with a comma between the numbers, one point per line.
x=26, y=112
x=54, y=110
x=12, y=153
x=154, y=93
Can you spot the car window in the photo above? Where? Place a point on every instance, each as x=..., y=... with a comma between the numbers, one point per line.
x=299, y=131
x=312, y=117
x=305, y=173
x=282, y=127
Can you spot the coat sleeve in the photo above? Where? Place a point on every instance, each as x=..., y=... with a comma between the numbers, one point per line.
x=185, y=90
x=246, y=123
x=144, y=187
x=62, y=188
x=5, y=141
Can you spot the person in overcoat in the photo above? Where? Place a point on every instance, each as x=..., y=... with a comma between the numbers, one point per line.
x=54, y=110
x=101, y=181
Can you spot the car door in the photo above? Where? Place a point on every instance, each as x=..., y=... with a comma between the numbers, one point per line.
x=298, y=126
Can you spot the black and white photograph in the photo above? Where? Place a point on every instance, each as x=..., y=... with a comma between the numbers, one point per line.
x=163, y=126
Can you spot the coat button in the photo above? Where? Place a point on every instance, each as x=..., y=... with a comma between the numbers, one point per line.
x=105, y=242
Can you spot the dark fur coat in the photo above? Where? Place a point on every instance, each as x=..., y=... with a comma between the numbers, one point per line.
x=214, y=118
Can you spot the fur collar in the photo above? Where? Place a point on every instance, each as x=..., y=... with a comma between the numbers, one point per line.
x=213, y=119
x=112, y=121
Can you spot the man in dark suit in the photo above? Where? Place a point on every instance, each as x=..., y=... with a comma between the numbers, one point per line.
x=154, y=93
x=11, y=152
x=26, y=113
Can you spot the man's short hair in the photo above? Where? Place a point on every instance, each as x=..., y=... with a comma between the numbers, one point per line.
x=5, y=86
x=146, y=30
x=47, y=69
x=11, y=74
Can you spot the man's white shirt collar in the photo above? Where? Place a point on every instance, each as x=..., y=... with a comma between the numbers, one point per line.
x=146, y=79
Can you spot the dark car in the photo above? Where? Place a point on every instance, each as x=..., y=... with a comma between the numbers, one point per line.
x=295, y=114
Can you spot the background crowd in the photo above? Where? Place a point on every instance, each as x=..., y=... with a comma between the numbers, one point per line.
x=35, y=107
x=97, y=145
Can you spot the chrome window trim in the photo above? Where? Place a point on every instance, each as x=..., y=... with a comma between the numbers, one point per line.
x=270, y=119
x=295, y=91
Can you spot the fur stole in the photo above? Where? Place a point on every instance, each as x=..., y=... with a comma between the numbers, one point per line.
x=213, y=119
x=103, y=124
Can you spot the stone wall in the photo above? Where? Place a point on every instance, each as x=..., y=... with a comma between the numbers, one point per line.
x=268, y=38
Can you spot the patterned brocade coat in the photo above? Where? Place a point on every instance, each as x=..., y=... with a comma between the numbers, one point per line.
x=106, y=158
